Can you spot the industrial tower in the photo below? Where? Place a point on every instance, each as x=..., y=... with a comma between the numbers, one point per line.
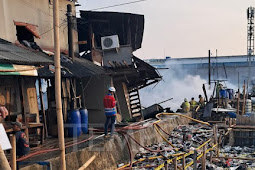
x=250, y=31
x=250, y=39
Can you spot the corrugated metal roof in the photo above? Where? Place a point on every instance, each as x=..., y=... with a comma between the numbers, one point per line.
x=83, y=68
x=79, y=68
x=10, y=53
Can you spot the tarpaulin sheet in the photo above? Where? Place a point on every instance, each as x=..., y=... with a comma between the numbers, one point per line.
x=13, y=69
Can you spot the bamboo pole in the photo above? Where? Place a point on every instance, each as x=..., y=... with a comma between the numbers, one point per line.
x=4, y=165
x=87, y=163
x=58, y=84
x=13, y=152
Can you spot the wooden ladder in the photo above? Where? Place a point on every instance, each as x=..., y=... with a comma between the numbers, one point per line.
x=135, y=104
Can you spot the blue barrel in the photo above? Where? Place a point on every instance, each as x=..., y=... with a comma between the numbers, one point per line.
x=230, y=93
x=84, y=120
x=74, y=123
x=231, y=114
x=223, y=94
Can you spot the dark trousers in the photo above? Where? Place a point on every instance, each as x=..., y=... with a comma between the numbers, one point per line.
x=106, y=125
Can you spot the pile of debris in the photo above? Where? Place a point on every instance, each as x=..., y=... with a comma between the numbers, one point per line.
x=185, y=139
x=235, y=152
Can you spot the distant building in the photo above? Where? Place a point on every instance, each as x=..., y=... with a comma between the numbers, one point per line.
x=222, y=67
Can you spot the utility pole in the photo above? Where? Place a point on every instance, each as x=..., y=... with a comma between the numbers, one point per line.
x=58, y=100
x=209, y=67
x=70, y=31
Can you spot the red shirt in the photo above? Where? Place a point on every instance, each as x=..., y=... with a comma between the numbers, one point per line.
x=109, y=101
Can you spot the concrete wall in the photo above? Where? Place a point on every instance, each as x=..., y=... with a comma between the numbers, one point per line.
x=37, y=12
x=96, y=89
x=110, y=153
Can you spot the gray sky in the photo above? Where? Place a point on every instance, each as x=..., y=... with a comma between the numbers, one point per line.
x=186, y=28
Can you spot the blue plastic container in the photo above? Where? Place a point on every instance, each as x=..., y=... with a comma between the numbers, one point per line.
x=74, y=123
x=223, y=94
x=230, y=93
x=84, y=120
x=231, y=114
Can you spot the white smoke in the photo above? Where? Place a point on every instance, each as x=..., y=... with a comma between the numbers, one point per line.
x=175, y=84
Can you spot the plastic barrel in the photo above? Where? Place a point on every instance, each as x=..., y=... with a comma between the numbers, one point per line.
x=230, y=93
x=231, y=114
x=223, y=93
x=74, y=123
x=84, y=120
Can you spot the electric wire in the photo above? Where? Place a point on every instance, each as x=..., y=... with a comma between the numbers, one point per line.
x=37, y=9
x=116, y=5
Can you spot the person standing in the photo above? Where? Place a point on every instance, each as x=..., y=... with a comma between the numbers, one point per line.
x=201, y=101
x=110, y=111
x=193, y=104
x=185, y=106
x=22, y=147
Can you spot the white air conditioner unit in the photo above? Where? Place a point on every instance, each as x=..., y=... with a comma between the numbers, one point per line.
x=110, y=42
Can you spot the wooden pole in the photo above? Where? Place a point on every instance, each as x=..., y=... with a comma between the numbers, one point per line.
x=166, y=165
x=238, y=102
x=215, y=133
x=243, y=109
x=87, y=163
x=3, y=160
x=175, y=163
x=211, y=156
x=13, y=152
x=183, y=162
x=218, y=147
x=195, y=160
x=204, y=158
x=58, y=85
x=43, y=109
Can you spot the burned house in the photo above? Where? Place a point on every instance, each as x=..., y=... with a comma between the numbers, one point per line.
x=109, y=39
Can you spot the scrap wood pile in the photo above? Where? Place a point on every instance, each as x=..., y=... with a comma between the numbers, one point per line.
x=185, y=139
